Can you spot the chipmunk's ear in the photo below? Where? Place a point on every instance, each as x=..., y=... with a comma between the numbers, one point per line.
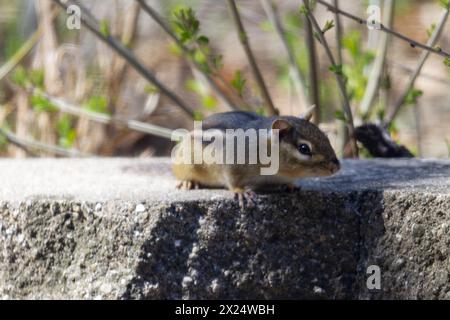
x=284, y=126
x=309, y=113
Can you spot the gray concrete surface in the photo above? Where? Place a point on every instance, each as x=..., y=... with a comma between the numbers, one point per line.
x=118, y=229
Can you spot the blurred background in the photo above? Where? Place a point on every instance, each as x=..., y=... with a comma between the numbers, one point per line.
x=83, y=72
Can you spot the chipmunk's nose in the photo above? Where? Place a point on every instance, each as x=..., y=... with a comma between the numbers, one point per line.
x=335, y=165
x=336, y=161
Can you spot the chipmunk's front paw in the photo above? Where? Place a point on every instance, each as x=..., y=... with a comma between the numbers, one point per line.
x=188, y=185
x=245, y=198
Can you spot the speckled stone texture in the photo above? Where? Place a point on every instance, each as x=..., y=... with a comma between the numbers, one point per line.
x=118, y=229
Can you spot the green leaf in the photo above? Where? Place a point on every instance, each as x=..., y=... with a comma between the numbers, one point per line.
x=193, y=85
x=201, y=59
x=340, y=115
x=42, y=104
x=104, y=28
x=337, y=69
x=352, y=42
x=151, y=89
x=447, y=62
x=216, y=60
x=198, y=115
x=186, y=25
x=328, y=26
x=445, y=4
x=431, y=29
x=97, y=104
x=20, y=76
x=304, y=10
x=209, y=102
x=175, y=49
x=66, y=133
x=203, y=40
x=393, y=129
x=37, y=78
x=292, y=21
x=317, y=36
x=3, y=142
x=413, y=96
x=238, y=82
x=381, y=113
x=354, y=69
x=266, y=26
x=261, y=111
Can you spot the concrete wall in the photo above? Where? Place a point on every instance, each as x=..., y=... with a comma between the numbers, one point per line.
x=116, y=229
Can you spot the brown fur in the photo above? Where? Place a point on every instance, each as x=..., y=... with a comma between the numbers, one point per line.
x=293, y=165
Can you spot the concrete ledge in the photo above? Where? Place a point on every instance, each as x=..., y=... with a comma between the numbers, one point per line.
x=117, y=228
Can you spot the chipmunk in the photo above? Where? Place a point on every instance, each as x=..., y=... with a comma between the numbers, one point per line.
x=303, y=151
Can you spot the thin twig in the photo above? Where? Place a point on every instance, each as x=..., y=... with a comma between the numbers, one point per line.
x=338, y=32
x=339, y=77
x=27, y=144
x=412, y=43
x=314, y=85
x=13, y=139
x=408, y=69
x=425, y=75
x=379, y=64
x=212, y=84
x=135, y=125
x=423, y=58
x=12, y=63
x=119, y=48
x=343, y=138
x=296, y=75
x=6, y=68
x=243, y=38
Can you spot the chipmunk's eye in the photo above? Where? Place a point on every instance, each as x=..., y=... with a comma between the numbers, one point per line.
x=305, y=149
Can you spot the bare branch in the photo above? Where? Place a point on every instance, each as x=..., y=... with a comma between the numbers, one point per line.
x=296, y=75
x=408, y=69
x=423, y=58
x=28, y=145
x=339, y=77
x=66, y=107
x=412, y=43
x=338, y=27
x=119, y=48
x=6, y=68
x=343, y=137
x=313, y=70
x=379, y=64
x=243, y=38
